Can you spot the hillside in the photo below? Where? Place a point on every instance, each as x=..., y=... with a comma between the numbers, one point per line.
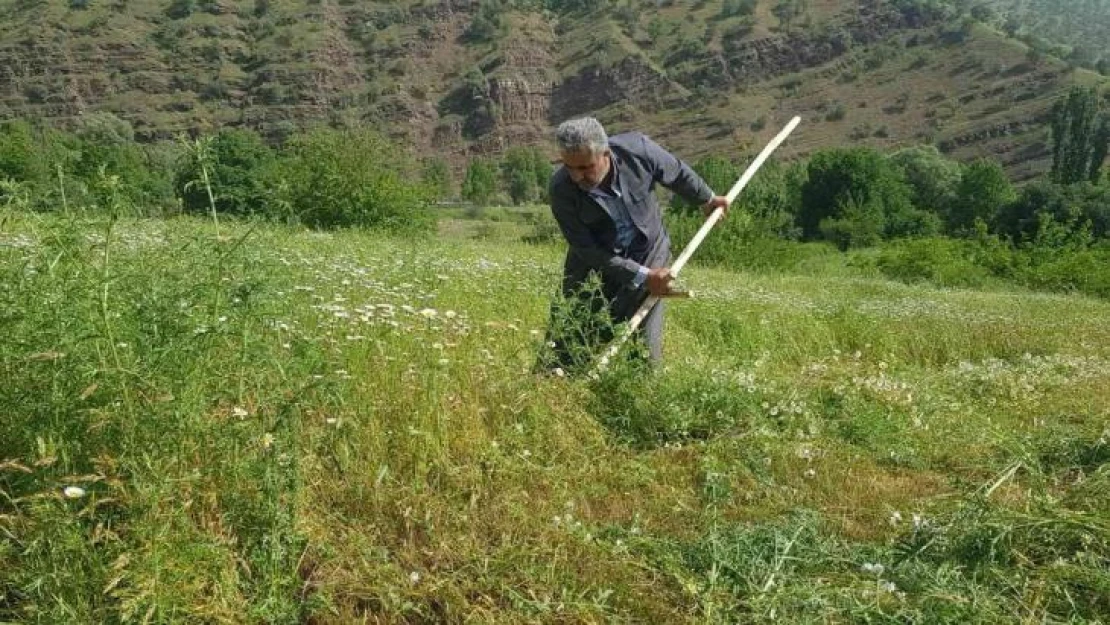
x=458, y=77
x=1073, y=29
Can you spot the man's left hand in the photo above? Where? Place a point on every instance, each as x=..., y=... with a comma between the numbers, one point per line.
x=718, y=201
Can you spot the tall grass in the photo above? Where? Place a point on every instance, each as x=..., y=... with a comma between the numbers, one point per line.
x=279, y=425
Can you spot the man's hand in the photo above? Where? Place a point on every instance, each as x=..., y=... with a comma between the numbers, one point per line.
x=659, y=281
x=718, y=201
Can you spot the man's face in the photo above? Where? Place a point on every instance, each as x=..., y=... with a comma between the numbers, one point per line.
x=586, y=169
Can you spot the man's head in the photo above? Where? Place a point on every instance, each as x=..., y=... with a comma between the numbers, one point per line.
x=584, y=148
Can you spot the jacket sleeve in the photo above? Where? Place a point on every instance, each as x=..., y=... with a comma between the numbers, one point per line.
x=585, y=254
x=675, y=174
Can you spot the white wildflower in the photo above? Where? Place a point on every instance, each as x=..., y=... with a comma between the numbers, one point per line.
x=873, y=568
x=73, y=492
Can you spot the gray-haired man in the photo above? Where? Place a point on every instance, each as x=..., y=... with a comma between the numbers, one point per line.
x=603, y=201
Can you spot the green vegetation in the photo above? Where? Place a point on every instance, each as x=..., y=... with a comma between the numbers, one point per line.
x=321, y=178
x=458, y=83
x=278, y=425
x=243, y=382
x=1076, y=30
x=1080, y=137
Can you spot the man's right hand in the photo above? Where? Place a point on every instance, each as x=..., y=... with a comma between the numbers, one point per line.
x=659, y=281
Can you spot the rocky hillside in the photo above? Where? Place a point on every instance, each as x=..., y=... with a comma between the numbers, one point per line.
x=456, y=78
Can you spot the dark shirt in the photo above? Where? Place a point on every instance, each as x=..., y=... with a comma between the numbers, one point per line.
x=609, y=196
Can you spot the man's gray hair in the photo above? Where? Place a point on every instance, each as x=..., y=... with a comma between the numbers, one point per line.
x=580, y=135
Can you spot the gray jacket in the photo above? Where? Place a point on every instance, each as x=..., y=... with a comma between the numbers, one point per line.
x=591, y=233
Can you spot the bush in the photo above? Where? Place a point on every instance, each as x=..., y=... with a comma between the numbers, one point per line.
x=17, y=151
x=237, y=163
x=1085, y=271
x=336, y=178
x=943, y=262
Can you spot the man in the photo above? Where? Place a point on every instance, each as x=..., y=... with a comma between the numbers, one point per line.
x=602, y=199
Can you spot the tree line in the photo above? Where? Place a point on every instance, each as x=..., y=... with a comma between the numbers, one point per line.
x=326, y=177
x=858, y=196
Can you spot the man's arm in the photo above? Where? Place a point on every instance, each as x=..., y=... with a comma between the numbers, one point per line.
x=676, y=175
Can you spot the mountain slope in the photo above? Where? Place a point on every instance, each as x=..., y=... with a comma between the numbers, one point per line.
x=457, y=77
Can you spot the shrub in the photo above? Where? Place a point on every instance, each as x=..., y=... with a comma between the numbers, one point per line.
x=336, y=178
x=239, y=161
x=944, y=262
x=835, y=113
x=17, y=151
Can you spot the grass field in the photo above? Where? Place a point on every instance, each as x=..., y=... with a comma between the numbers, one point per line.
x=277, y=425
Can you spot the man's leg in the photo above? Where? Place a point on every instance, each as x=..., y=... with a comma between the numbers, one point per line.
x=652, y=332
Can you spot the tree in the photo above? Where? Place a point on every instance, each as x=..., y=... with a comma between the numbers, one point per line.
x=1081, y=205
x=1079, y=137
x=436, y=176
x=732, y=8
x=982, y=13
x=107, y=148
x=788, y=10
x=1098, y=152
x=851, y=184
x=855, y=224
x=487, y=22
x=526, y=172
x=932, y=177
x=480, y=182
x=238, y=160
x=983, y=190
